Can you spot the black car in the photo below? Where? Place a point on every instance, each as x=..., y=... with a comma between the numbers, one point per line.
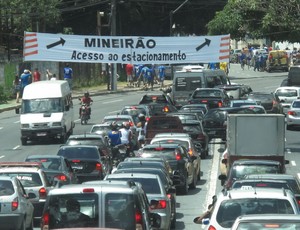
x=90, y=139
x=214, y=122
x=213, y=97
x=195, y=129
x=56, y=168
x=156, y=98
x=190, y=107
x=157, y=109
x=185, y=174
x=182, y=115
x=87, y=161
x=269, y=101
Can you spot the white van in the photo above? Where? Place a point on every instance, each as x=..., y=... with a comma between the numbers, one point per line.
x=186, y=81
x=46, y=111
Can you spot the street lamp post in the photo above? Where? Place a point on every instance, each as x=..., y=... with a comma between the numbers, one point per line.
x=113, y=32
x=172, y=12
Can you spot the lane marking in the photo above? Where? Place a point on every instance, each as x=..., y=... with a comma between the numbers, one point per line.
x=2, y=156
x=1, y=127
x=293, y=163
x=108, y=102
x=17, y=122
x=18, y=146
x=114, y=111
x=213, y=175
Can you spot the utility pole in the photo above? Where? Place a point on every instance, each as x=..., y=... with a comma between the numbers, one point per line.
x=113, y=32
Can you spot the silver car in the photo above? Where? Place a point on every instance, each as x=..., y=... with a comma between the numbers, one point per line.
x=287, y=95
x=16, y=211
x=293, y=114
x=154, y=189
x=34, y=181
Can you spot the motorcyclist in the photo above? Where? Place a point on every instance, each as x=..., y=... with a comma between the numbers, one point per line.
x=114, y=136
x=126, y=137
x=141, y=129
x=86, y=100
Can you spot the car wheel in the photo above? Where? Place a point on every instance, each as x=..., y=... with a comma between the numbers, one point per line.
x=173, y=222
x=199, y=175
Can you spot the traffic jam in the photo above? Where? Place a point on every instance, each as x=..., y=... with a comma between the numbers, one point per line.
x=129, y=170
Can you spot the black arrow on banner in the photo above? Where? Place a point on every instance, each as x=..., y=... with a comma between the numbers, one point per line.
x=207, y=42
x=61, y=41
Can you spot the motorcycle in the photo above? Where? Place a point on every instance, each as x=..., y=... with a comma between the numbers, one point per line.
x=118, y=154
x=84, y=114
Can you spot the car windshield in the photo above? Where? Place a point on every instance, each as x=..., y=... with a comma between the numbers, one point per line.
x=44, y=105
x=229, y=210
x=150, y=185
x=286, y=93
x=79, y=153
x=240, y=171
x=6, y=188
x=26, y=179
x=47, y=163
x=296, y=104
x=192, y=128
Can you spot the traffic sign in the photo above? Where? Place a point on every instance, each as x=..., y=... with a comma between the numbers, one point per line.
x=125, y=49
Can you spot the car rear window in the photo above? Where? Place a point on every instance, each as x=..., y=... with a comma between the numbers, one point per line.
x=47, y=163
x=164, y=123
x=153, y=98
x=206, y=93
x=6, y=188
x=60, y=217
x=188, y=83
x=79, y=153
x=172, y=141
x=86, y=141
x=192, y=128
x=229, y=210
x=240, y=171
x=167, y=153
x=286, y=93
x=296, y=104
x=118, y=121
x=26, y=179
x=263, y=97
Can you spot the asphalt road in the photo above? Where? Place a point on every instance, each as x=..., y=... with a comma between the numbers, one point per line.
x=197, y=200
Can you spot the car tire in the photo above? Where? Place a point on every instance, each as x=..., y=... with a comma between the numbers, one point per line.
x=173, y=222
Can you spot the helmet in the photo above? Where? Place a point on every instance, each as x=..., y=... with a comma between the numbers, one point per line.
x=141, y=115
x=86, y=94
x=114, y=126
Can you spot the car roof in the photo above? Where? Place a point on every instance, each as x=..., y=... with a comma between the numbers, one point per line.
x=118, y=116
x=271, y=176
x=85, y=135
x=158, y=145
x=159, y=159
x=172, y=135
x=288, y=87
x=131, y=175
x=20, y=169
x=44, y=156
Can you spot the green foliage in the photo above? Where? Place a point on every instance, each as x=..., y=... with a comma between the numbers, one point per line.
x=4, y=94
x=276, y=19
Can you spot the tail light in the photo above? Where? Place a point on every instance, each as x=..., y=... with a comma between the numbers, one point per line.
x=138, y=217
x=45, y=221
x=43, y=193
x=211, y=228
x=88, y=190
x=162, y=204
x=14, y=204
x=75, y=161
x=190, y=152
x=178, y=156
x=98, y=167
x=147, y=118
x=204, y=101
x=61, y=177
x=220, y=104
x=166, y=109
x=292, y=113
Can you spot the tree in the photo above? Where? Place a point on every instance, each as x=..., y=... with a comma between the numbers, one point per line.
x=276, y=19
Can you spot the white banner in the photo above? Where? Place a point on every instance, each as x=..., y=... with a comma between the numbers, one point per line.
x=124, y=49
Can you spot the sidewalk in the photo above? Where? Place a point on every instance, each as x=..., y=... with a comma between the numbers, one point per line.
x=94, y=91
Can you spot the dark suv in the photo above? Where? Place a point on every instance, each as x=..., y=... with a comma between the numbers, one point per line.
x=269, y=101
x=104, y=204
x=185, y=174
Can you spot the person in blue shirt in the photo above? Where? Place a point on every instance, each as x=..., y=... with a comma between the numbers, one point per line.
x=68, y=74
x=114, y=136
x=137, y=73
x=143, y=76
x=161, y=75
x=25, y=80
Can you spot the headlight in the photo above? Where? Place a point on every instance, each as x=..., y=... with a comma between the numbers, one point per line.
x=56, y=124
x=25, y=126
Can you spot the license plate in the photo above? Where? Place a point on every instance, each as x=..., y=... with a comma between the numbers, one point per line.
x=77, y=167
x=41, y=134
x=212, y=132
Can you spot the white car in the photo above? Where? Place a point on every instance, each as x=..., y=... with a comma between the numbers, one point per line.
x=154, y=189
x=230, y=204
x=16, y=211
x=287, y=95
x=293, y=115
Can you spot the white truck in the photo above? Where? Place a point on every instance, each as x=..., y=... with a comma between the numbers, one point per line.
x=255, y=137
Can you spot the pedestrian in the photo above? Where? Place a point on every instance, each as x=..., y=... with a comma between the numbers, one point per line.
x=26, y=79
x=17, y=87
x=48, y=74
x=141, y=129
x=36, y=75
x=256, y=62
x=129, y=73
x=161, y=75
x=68, y=74
x=143, y=76
x=137, y=71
